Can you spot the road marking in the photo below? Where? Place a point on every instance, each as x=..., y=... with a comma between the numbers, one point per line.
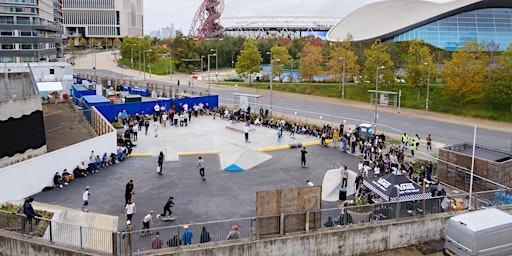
x=51, y=130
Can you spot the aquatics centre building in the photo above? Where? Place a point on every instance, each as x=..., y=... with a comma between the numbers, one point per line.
x=447, y=25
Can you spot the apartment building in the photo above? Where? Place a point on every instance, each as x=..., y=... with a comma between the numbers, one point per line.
x=28, y=32
x=102, y=19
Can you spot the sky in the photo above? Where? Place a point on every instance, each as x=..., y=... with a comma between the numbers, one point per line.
x=163, y=13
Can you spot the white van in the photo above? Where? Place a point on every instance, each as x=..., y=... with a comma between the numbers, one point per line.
x=482, y=232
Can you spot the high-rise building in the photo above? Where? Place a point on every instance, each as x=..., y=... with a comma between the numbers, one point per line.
x=28, y=32
x=102, y=19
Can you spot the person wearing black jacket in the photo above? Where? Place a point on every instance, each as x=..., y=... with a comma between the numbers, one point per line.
x=167, y=207
x=28, y=210
x=160, y=162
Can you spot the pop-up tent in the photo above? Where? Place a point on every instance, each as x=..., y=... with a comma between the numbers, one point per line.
x=393, y=188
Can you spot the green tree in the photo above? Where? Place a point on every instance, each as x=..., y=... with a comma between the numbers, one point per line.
x=377, y=57
x=464, y=74
x=117, y=42
x=281, y=57
x=249, y=60
x=419, y=61
x=341, y=56
x=93, y=42
x=83, y=42
x=500, y=91
x=310, y=59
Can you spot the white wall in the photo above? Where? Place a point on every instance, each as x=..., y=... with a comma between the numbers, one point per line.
x=31, y=176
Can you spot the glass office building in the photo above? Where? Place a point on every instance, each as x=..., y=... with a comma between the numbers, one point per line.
x=491, y=26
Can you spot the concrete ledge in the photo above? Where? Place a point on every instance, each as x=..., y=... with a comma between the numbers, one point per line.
x=238, y=127
x=198, y=153
x=140, y=154
x=310, y=143
x=273, y=148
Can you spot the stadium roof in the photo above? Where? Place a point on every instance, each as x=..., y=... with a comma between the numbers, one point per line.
x=390, y=18
x=276, y=22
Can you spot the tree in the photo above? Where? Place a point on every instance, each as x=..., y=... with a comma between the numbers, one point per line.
x=419, y=61
x=464, y=74
x=83, y=42
x=93, y=42
x=249, y=60
x=310, y=59
x=281, y=57
x=341, y=55
x=377, y=57
x=117, y=42
x=500, y=91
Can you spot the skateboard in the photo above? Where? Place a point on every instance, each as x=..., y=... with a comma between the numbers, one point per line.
x=164, y=219
x=203, y=178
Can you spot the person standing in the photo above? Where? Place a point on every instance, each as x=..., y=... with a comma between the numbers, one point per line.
x=344, y=177
x=157, y=242
x=335, y=138
x=28, y=210
x=429, y=142
x=303, y=153
x=156, y=126
x=129, y=210
x=146, y=125
x=160, y=162
x=233, y=234
x=187, y=236
x=246, y=132
x=167, y=207
x=344, y=142
x=205, y=236
x=201, y=164
x=147, y=221
x=405, y=141
x=85, y=199
x=128, y=192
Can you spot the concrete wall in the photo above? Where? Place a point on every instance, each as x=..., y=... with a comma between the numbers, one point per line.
x=16, y=244
x=42, y=168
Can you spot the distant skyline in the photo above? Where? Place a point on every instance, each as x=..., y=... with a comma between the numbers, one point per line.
x=162, y=13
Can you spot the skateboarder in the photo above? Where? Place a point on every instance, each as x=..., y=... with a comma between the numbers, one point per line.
x=167, y=208
x=303, y=153
x=201, y=164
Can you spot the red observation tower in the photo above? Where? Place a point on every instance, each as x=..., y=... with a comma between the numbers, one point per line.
x=206, y=23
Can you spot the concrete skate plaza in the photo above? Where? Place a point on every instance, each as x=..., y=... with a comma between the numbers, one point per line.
x=224, y=194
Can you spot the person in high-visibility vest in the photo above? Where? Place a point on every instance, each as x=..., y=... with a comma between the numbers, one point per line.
x=405, y=141
x=415, y=143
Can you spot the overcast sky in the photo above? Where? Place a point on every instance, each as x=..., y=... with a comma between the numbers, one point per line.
x=163, y=13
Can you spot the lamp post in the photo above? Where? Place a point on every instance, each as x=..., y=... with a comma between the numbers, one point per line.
x=170, y=62
x=271, y=98
x=428, y=86
x=139, y=58
x=94, y=56
x=291, y=71
x=343, y=80
x=376, y=98
x=202, y=69
x=210, y=55
x=232, y=59
x=216, y=67
x=131, y=60
x=144, y=58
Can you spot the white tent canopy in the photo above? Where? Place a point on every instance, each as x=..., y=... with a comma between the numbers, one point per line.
x=49, y=86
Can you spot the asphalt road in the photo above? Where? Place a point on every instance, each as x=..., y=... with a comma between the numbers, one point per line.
x=443, y=131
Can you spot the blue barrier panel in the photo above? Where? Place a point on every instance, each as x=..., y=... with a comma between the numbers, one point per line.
x=111, y=111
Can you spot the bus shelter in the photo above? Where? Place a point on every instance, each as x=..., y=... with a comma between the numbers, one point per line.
x=244, y=100
x=384, y=98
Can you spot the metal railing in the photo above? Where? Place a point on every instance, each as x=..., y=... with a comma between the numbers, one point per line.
x=62, y=233
x=128, y=242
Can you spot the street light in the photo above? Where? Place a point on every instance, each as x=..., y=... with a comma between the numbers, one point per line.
x=376, y=98
x=131, y=47
x=232, y=59
x=343, y=80
x=428, y=86
x=202, y=69
x=144, y=58
x=170, y=62
x=210, y=55
x=291, y=71
x=139, y=59
x=271, y=98
x=216, y=67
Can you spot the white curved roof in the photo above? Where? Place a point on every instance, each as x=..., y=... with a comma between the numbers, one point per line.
x=381, y=18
